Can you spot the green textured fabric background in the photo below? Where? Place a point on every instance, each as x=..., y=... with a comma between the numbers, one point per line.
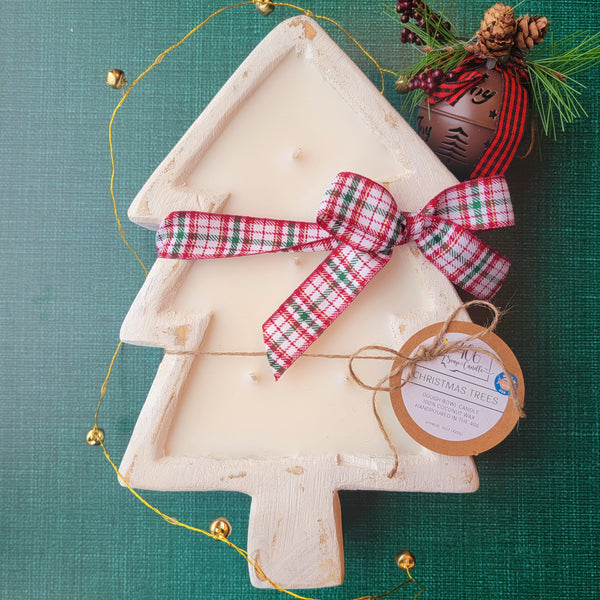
x=67, y=529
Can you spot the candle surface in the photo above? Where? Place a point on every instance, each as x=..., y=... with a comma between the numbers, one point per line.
x=275, y=158
x=287, y=142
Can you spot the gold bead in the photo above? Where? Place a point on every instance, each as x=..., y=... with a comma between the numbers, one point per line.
x=405, y=560
x=401, y=85
x=264, y=7
x=115, y=79
x=220, y=527
x=95, y=436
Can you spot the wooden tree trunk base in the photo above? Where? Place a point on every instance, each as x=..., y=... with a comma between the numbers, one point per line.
x=294, y=534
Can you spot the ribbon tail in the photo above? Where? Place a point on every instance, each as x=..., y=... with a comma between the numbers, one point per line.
x=191, y=235
x=464, y=259
x=316, y=303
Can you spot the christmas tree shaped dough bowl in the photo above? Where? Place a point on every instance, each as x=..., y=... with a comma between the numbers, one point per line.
x=293, y=115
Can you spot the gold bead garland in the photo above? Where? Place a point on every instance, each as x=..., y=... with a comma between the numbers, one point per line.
x=405, y=560
x=401, y=85
x=95, y=436
x=220, y=529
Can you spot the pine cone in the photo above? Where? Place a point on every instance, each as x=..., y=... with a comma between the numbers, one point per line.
x=497, y=34
x=531, y=31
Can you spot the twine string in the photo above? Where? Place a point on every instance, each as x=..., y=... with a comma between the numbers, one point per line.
x=424, y=353
x=437, y=348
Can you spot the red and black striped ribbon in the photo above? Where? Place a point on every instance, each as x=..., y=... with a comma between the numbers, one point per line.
x=511, y=123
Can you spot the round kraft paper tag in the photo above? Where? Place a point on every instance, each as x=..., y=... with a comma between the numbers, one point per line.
x=458, y=404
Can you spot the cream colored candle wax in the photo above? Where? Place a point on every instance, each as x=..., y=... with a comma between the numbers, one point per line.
x=277, y=162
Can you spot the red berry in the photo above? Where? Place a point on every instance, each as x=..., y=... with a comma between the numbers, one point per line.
x=437, y=74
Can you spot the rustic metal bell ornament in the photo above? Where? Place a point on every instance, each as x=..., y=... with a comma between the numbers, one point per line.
x=460, y=134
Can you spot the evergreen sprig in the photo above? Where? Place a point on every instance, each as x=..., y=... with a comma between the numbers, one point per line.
x=554, y=89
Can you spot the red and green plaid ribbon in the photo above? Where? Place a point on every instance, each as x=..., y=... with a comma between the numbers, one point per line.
x=511, y=123
x=359, y=223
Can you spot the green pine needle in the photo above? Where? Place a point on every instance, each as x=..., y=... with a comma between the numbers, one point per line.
x=554, y=90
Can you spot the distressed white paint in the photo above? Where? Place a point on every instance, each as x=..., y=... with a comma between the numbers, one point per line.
x=294, y=114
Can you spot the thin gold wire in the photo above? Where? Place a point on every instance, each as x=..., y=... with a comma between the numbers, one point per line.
x=103, y=389
x=248, y=557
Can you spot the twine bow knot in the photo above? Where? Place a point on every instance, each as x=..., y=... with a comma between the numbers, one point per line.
x=359, y=223
x=405, y=366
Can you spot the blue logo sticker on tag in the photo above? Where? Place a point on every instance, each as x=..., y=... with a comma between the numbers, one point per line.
x=501, y=383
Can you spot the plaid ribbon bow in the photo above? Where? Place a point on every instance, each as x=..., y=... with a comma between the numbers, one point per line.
x=359, y=223
x=511, y=124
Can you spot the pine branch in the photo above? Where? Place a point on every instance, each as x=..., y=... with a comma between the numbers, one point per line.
x=555, y=91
